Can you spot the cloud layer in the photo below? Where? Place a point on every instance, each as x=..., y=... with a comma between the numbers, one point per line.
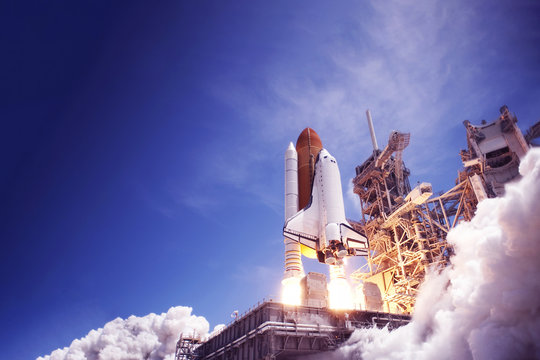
x=485, y=305
x=151, y=337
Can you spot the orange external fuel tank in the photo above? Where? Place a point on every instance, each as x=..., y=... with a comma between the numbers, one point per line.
x=308, y=146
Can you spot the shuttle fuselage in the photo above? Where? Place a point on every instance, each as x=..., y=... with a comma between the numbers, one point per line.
x=322, y=225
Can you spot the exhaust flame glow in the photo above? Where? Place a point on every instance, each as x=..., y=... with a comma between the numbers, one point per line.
x=291, y=291
x=339, y=291
x=340, y=295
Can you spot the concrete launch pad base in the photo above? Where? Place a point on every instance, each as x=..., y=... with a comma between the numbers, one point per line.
x=276, y=331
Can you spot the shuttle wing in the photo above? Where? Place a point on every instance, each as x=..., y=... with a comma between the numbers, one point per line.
x=303, y=227
x=354, y=240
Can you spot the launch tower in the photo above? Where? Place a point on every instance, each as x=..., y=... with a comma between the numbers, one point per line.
x=407, y=227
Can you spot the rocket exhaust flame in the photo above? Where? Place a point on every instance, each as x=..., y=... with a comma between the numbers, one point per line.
x=339, y=291
x=291, y=291
x=340, y=295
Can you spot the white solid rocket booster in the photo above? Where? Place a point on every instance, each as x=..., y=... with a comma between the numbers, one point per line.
x=293, y=260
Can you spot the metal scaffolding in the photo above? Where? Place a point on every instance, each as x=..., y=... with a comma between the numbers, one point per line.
x=185, y=348
x=407, y=228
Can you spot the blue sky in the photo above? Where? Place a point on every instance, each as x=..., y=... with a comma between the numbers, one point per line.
x=142, y=144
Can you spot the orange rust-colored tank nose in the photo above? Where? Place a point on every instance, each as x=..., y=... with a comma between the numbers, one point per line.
x=308, y=146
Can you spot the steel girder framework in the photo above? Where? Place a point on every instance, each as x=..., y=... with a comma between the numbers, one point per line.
x=407, y=235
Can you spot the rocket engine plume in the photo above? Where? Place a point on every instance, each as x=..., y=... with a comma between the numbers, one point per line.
x=291, y=291
x=339, y=291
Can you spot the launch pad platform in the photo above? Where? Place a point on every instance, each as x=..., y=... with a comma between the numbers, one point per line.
x=276, y=331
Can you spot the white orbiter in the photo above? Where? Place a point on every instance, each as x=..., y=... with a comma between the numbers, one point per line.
x=322, y=225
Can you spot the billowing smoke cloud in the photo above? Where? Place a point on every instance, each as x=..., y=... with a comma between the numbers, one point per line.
x=486, y=305
x=150, y=337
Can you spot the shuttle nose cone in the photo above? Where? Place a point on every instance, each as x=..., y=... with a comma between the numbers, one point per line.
x=324, y=152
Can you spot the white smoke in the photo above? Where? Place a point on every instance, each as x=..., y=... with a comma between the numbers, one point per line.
x=486, y=305
x=150, y=337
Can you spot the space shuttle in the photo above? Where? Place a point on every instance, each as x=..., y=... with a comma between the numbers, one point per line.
x=321, y=225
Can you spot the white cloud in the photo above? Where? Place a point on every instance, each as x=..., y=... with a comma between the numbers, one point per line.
x=149, y=337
